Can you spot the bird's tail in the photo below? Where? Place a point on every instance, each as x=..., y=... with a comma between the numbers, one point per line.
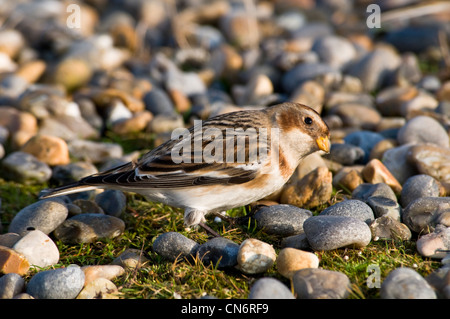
x=65, y=190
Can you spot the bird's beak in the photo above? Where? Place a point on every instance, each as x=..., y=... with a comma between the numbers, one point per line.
x=324, y=144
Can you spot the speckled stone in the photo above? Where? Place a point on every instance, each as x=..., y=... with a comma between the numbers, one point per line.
x=61, y=283
x=38, y=248
x=331, y=232
x=419, y=214
x=416, y=186
x=255, y=256
x=25, y=168
x=283, y=220
x=406, y=283
x=45, y=215
x=11, y=285
x=218, y=251
x=86, y=228
x=351, y=208
x=173, y=245
x=317, y=283
x=269, y=288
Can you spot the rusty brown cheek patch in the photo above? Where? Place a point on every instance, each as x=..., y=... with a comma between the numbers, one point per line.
x=288, y=121
x=285, y=168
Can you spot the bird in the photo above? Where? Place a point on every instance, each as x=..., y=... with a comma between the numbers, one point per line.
x=227, y=161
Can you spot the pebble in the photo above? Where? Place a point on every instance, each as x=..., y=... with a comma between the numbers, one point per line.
x=116, y=112
x=86, y=207
x=383, y=206
x=72, y=172
x=68, y=128
x=317, y=283
x=375, y=172
x=435, y=244
x=61, y=283
x=366, y=190
x=258, y=87
x=112, y=202
x=423, y=129
x=21, y=125
x=350, y=208
x=348, y=178
x=2, y=151
x=72, y=73
x=45, y=215
x=187, y=83
x=173, y=246
x=346, y=154
x=366, y=140
x=387, y=227
x=138, y=122
x=218, y=251
x=296, y=241
x=87, y=228
x=335, y=51
x=51, y=150
x=46, y=101
x=163, y=123
x=255, y=256
x=442, y=215
x=11, y=285
x=269, y=288
x=240, y=28
x=157, y=101
x=13, y=262
x=282, y=220
x=357, y=115
x=25, y=168
x=312, y=190
x=308, y=164
x=130, y=259
x=331, y=232
x=417, y=186
x=431, y=160
x=405, y=283
x=9, y=239
x=419, y=214
x=396, y=161
x=439, y=280
x=290, y=260
x=310, y=93
x=305, y=72
x=38, y=249
x=94, y=152
x=94, y=272
x=375, y=67
x=422, y=102
x=100, y=288
x=23, y=296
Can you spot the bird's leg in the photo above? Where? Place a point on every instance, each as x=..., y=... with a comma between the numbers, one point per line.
x=236, y=220
x=209, y=230
x=197, y=217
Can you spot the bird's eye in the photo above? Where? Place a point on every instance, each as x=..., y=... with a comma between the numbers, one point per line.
x=308, y=120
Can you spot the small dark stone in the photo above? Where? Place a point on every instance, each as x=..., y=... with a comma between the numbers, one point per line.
x=283, y=220
x=173, y=245
x=218, y=250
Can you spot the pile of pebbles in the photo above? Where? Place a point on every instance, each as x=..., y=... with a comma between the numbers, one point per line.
x=151, y=66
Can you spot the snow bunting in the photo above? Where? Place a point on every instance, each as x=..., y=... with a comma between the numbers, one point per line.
x=207, y=170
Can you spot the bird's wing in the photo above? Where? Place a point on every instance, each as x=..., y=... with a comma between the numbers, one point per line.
x=229, y=156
